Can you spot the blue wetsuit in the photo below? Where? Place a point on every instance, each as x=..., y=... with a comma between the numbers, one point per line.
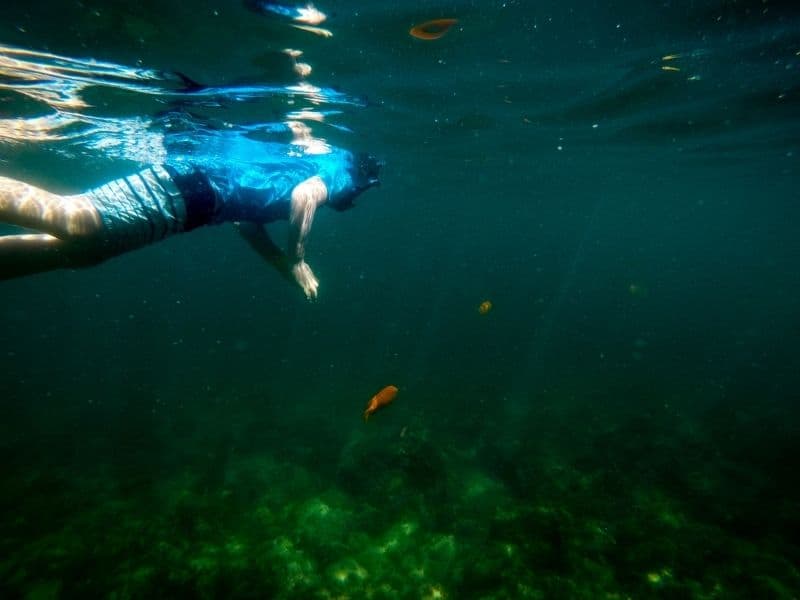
x=215, y=179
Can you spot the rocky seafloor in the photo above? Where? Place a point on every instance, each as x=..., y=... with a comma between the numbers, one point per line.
x=655, y=505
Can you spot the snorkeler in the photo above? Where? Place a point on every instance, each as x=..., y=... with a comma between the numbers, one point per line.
x=203, y=181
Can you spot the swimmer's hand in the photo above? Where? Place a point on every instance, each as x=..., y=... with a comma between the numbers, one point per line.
x=306, y=279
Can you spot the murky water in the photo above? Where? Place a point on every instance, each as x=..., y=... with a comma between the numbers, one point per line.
x=619, y=181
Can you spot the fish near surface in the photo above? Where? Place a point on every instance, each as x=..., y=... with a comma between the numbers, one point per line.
x=379, y=400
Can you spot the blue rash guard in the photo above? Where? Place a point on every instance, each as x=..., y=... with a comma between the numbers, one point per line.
x=214, y=179
x=252, y=180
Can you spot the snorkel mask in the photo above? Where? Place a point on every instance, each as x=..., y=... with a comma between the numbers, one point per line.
x=367, y=169
x=364, y=174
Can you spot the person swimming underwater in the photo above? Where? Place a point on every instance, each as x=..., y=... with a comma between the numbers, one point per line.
x=205, y=180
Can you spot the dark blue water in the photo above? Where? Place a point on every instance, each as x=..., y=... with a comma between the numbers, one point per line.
x=619, y=179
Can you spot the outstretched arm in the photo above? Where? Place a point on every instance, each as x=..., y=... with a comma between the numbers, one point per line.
x=258, y=237
x=306, y=197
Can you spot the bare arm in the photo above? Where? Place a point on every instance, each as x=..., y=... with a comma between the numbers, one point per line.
x=306, y=197
x=257, y=236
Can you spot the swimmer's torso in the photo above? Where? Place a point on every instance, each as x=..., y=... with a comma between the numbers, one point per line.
x=212, y=179
x=253, y=180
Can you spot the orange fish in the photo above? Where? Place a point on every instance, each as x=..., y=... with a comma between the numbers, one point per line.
x=432, y=30
x=485, y=306
x=381, y=399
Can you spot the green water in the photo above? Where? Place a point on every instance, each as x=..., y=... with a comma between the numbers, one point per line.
x=179, y=422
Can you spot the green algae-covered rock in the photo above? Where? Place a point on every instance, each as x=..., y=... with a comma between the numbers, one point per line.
x=347, y=575
x=323, y=525
x=295, y=570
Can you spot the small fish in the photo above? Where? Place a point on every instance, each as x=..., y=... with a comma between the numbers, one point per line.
x=484, y=307
x=432, y=30
x=379, y=400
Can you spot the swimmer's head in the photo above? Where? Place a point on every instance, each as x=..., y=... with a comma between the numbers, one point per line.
x=364, y=172
x=366, y=169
